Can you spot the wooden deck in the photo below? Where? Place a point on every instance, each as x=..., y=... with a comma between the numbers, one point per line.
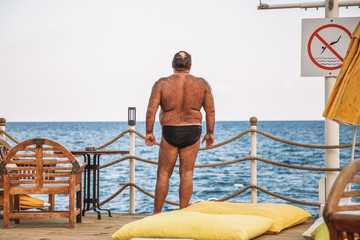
x=93, y=229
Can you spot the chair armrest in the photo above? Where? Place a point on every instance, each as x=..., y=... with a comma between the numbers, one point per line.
x=10, y=167
x=82, y=167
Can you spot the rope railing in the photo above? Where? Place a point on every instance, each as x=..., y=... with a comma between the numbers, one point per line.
x=125, y=185
x=9, y=136
x=226, y=163
x=252, y=186
x=302, y=145
x=239, y=136
x=218, y=144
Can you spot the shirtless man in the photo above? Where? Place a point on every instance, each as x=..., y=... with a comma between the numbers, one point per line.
x=180, y=96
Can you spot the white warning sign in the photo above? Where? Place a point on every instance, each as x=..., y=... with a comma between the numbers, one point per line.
x=324, y=45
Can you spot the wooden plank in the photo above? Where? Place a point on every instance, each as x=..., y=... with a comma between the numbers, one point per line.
x=25, y=155
x=351, y=194
x=24, y=161
x=355, y=180
x=348, y=208
x=93, y=229
x=51, y=189
x=39, y=214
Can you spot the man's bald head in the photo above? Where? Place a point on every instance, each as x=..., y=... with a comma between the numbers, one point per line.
x=182, y=61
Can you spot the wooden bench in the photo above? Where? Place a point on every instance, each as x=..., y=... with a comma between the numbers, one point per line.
x=32, y=167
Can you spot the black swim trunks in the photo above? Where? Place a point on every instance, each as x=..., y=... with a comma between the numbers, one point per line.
x=181, y=136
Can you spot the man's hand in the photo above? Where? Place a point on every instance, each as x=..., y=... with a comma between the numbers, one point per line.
x=210, y=139
x=150, y=139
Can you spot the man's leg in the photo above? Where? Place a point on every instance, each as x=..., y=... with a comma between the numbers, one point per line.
x=167, y=160
x=187, y=161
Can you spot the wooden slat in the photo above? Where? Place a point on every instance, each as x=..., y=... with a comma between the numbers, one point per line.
x=44, y=190
x=47, y=175
x=37, y=214
x=57, y=168
x=25, y=155
x=348, y=207
x=49, y=162
x=53, y=155
x=355, y=180
x=44, y=149
x=22, y=175
x=49, y=148
x=351, y=194
x=22, y=181
x=23, y=162
x=29, y=149
x=22, y=168
x=56, y=181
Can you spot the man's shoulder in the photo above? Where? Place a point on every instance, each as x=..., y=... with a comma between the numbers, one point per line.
x=160, y=81
x=201, y=80
x=163, y=79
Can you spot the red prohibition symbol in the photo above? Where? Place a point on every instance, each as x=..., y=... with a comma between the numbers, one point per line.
x=327, y=45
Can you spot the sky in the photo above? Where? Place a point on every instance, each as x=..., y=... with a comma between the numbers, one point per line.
x=86, y=60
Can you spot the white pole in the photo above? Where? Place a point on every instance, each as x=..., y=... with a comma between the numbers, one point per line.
x=2, y=126
x=253, y=124
x=132, y=169
x=331, y=127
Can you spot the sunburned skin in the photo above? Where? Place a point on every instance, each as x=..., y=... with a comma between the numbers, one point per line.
x=191, y=92
x=181, y=97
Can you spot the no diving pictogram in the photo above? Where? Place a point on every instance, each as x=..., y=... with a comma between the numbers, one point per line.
x=323, y=51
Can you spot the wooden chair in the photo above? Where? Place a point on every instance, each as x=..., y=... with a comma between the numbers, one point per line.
x=343, y=221
x=33, y=167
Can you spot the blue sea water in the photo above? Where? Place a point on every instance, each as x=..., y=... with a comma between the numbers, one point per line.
x=211, y=182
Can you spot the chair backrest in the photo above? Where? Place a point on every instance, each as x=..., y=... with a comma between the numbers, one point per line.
x=343, y=218
x=39, y=161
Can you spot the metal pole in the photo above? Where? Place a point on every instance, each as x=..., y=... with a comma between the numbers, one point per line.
x=331, y=127
x=253, y=124
x=2, y=126
x=306, y=5
x=132, y=169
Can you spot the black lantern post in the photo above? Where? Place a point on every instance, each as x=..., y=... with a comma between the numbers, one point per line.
x=132, y=116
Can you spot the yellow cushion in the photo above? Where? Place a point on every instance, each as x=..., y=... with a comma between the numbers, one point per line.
x=194, y=225
x=283, y=215
x=321, y=232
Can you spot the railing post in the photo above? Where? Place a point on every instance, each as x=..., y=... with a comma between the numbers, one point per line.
x=253, y=124
x=132, y=122
x=2, y=126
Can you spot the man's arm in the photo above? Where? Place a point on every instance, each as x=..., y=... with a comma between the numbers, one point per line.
x=209, y=108
x=152, y=108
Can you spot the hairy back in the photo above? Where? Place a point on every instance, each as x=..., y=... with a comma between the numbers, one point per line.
x=182, y=96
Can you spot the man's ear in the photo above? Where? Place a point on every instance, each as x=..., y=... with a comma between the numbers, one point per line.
x=190, y=66
x=172, y=64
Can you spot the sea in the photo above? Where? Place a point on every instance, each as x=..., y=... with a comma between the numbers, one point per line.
x=211, y=182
